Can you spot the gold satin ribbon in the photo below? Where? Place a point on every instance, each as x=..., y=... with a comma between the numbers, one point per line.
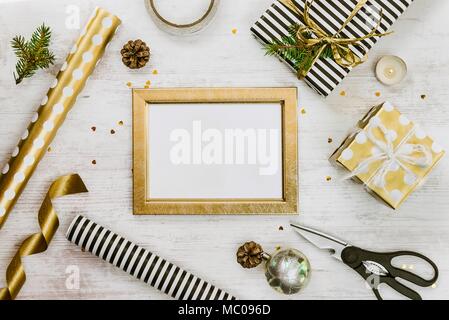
x=38, y=242
x=312, y=36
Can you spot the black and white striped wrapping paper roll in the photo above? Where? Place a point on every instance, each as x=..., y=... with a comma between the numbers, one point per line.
x=141, y=263
x=330, y=15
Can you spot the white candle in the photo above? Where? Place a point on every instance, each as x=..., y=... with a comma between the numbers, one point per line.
x=391, y=70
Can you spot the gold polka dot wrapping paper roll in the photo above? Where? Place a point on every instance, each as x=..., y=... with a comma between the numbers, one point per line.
x=62, y=95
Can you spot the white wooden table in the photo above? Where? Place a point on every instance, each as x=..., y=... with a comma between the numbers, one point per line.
x=206, y=245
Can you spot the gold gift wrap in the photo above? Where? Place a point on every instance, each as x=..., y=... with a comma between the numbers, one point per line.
x=389, y=154
x=64, y=90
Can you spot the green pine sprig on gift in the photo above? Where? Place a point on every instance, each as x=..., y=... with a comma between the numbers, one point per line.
x=33, y=54
x=289, y=48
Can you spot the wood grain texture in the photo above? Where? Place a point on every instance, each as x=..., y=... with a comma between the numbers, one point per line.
x=206, y=245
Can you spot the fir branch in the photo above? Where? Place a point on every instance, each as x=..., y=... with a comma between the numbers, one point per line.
x=33, y=54
x=291, y=50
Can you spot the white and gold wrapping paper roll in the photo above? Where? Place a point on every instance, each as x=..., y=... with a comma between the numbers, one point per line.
x=141, y=263
x=63, y=92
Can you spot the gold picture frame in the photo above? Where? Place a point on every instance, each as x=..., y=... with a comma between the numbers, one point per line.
x=286, y=97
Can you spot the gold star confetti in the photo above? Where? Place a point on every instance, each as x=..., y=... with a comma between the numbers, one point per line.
x=120, y=123
x=49, y=149
x=377, y=93
x=343, y=93
x=148, y=83
x=234, y=31
x=155, y=71
x=278, y=248
x=129, y=84
x=328, y=178
x=303, y=111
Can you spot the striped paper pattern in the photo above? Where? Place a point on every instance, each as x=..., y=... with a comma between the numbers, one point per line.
x=330, y=15
x=141, y=263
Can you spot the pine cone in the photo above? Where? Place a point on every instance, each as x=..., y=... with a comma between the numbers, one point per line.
x=250, y=255
x=135, y=54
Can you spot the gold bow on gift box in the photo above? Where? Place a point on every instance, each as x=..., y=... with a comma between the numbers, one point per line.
x=316, y=41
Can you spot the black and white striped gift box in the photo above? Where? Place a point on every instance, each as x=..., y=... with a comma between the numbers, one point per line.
x=330, y=15
x=141, y=263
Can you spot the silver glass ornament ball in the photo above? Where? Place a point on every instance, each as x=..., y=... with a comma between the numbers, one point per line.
x=288, y=271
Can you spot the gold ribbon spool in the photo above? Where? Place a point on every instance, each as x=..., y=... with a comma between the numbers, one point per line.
x=39, y=242
x=320, y=40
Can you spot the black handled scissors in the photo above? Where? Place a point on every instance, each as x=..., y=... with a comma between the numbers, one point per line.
x=376, y=268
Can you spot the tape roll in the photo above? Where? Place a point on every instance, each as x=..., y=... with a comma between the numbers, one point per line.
x=181, y=28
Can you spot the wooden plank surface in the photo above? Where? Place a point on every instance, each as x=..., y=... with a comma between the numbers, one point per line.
x=206, y=245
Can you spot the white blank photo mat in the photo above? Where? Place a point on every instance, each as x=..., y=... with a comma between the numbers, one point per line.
x=189, y=153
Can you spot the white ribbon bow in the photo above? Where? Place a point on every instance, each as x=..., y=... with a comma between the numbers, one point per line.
x=392, y=157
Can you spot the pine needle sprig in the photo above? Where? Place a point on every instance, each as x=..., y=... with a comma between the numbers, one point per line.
x=291, y=50
x=33, y=54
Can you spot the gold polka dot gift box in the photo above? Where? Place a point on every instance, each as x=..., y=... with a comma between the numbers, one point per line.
x=389, y=154
x=62, y=94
